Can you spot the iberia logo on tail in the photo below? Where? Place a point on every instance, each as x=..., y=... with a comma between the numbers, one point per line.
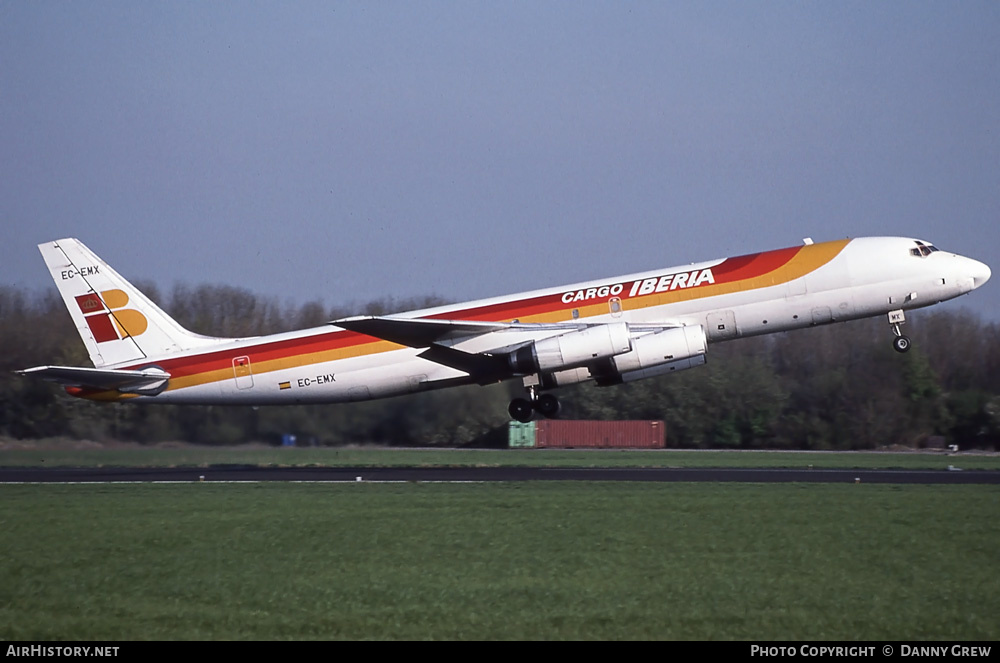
x=108, y=318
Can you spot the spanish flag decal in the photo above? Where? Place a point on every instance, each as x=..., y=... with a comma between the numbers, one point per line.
x=284, y=385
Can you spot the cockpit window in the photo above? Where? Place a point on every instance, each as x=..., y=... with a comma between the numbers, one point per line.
x=923, y=250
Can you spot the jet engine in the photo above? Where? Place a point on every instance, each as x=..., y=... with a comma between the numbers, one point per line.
x=655, y=353
x=571, y=350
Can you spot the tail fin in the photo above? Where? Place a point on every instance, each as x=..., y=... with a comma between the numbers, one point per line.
x=118, y=324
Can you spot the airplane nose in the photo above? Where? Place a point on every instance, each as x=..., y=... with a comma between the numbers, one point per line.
x=980, y=273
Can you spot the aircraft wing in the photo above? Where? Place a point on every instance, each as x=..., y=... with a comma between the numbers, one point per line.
x=486, y=366
x=421, y=333
x=143, y=381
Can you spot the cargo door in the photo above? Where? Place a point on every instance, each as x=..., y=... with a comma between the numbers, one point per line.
x=242, y=372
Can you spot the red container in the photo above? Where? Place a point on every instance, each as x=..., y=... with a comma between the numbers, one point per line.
x=557, y=433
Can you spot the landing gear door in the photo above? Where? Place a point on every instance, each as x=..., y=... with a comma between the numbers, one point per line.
x=242, y=372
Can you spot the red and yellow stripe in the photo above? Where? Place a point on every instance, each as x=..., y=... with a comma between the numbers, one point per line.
x=739, y=274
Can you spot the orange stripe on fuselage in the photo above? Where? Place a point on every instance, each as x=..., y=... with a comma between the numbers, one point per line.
x=739, y=274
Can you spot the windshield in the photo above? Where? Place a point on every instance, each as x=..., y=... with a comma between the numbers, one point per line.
x=922, y=250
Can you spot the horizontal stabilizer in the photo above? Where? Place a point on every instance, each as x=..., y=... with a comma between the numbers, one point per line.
x=149, y=381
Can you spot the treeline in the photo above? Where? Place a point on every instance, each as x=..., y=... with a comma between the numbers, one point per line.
x=834, y=387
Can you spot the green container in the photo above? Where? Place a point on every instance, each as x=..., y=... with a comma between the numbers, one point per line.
x=521, y=436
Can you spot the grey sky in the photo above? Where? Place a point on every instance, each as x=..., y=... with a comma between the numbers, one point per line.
x=348, y=151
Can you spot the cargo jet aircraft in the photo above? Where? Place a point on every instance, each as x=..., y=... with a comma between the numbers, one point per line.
x=609, y=331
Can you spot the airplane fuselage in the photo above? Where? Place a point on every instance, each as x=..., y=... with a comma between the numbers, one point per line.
x=762, y=293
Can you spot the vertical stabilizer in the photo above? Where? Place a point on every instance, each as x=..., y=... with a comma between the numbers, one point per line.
x=118, y=324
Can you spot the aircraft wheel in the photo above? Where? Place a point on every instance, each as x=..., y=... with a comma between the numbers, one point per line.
x=547, y=405
x=520, y=410
x=901, y=344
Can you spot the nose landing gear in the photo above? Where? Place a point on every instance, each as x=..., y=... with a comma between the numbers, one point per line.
x=521, y=409
x=900, y=343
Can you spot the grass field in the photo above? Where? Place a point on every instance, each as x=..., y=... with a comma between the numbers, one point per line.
x=64, y=455
x=499, y=561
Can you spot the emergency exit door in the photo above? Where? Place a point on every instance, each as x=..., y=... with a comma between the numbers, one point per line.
x=242, y=372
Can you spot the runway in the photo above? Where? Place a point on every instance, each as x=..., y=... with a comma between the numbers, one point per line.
x=231, y=473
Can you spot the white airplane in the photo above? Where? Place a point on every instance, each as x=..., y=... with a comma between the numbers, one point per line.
x=609, y=331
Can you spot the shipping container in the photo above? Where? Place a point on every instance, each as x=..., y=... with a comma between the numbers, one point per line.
x=521, y=436
x=556, y=433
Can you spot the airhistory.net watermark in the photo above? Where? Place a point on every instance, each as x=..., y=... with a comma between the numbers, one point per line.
x=75, y=651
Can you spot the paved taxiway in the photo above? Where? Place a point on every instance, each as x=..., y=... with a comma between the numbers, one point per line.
x=478, y=474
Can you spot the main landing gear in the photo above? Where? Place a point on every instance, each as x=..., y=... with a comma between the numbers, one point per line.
x=900, y=343
x=522, y=409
